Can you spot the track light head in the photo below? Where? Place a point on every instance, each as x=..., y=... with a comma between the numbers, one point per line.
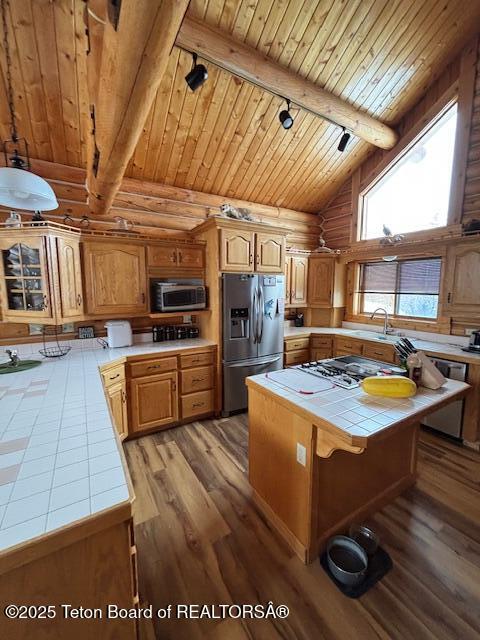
x=342, y=145
x=197, y=76
x=286, y=117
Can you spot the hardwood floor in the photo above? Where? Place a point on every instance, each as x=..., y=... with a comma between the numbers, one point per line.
x=201, y=540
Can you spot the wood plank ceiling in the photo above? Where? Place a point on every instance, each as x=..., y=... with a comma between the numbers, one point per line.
x=380, y=55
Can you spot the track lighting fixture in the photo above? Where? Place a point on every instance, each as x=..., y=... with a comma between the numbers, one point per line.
x=344, y=140
x=197, y=76
x=285, y=116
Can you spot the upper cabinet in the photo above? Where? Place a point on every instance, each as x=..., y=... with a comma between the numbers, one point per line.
x=326, y=281
x=269, y=252
x=178, y=257
x=115, y=278
x=41, y=279
x=237, y=249
x=296, y=281
x=461, y=283
x=67, y=253
x=26, y=290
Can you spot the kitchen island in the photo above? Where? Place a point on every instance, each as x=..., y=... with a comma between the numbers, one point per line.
x=319, y=461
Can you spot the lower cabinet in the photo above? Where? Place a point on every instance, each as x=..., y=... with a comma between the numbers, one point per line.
x=153, y=401
x=197, y=385
x=117, y=398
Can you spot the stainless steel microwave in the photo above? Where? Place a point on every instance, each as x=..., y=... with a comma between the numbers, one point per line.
x=177, y=297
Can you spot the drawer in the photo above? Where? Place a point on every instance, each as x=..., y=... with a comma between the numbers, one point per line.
x=196, y=404
x=321, y=342
x=196, y=360
x=113, y=375
x=320, y=354
x=296, y=344
x=297, y=357
x=382, y=352
x=348, y=345
x=197, y=379
x=147, y=367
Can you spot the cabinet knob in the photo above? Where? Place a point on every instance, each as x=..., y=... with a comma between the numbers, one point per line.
x=116, y=376
x=45, y=302
x=124, y=396
x=250, y=259
x=79, y=300
x=449, y=297
x=143, y=298
x=196, y=405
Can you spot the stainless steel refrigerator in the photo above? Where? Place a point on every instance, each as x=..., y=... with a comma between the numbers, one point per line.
x=253, y=315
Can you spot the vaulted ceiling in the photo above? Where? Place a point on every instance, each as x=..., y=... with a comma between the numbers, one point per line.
x=379, y=55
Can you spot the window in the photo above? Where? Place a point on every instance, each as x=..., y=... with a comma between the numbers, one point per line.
x=414, y=193
x=407, y=288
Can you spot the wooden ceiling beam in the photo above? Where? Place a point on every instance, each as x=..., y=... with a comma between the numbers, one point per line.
x=134, y=58
x=238, y=58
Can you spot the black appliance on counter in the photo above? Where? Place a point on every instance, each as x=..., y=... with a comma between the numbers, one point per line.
x=474, y=344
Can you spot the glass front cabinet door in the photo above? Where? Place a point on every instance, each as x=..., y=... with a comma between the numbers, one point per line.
x=24, y=282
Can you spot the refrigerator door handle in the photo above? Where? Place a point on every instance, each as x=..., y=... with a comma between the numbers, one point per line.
x=261, y=310
x=254, y=317
x=249, y=363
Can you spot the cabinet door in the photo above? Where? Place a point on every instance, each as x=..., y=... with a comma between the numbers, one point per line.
x=115, y=278
x=24, y=282
x=299, y=280
x=162, y=256
x=383, y=352
x=236, y=250
x=269, y=253
x=154, y=401
x=320, y=282
x=190, y=257
x=70, y=278
x=288, y=281
x=117, y=398
x=462, y=283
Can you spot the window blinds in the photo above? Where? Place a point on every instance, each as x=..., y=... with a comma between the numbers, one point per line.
x=404, y=276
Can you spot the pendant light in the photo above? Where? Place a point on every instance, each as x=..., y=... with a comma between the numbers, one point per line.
x=197, y=76
x=19, y=188
x=342, y=145
x=286, y=117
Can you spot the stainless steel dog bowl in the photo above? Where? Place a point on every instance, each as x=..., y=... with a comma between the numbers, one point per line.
x=347, y=560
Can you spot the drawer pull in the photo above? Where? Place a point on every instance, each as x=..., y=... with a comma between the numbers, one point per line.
x=197, y=405
x=115, y=376
x=198, y=379
x=155, y=366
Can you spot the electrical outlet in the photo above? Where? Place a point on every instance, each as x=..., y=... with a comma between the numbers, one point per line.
x=187, y=319
x=35, y=329
x=468, y=332
x=301, y=455
x=68, y=327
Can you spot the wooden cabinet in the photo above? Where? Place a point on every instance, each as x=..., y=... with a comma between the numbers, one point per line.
x=321, y=347
x=296, y=281
x=70, y=277
x=461, y=290
x=345, y=346
x=326, y=282
x=115, y=278
x=384, y=352
x=167, y=256
x=197, y=384
x=296, y=351
x=237, y=250
x=25, y=285
x=247, y=250
x=269, y=252
x=153, y=401
x=117, y=400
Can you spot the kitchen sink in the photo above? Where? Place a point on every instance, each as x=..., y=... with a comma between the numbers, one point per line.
x=369, y=335
x=21, y=365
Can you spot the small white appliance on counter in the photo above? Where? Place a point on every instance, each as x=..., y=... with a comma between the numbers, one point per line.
x=119, y=333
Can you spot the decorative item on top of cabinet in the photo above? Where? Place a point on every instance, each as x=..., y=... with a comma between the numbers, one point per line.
x=461, y=289
x=296, y=280
x=326, y=281
x=115, y=277
x=41, y=274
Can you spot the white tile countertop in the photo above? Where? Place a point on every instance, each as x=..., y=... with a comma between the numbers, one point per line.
x=60, y=460
x=355, y=413
x=441, y=349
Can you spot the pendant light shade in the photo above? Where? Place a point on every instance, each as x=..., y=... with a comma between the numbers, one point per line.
x=20, y=189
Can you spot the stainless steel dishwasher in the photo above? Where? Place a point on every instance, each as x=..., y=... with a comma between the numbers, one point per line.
x=448, y=419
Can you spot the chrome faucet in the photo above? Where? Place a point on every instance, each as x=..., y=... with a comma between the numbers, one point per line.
x=386, y=328
x=13, y=355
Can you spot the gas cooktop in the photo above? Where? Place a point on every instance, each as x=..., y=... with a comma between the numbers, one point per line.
x=347, y=371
